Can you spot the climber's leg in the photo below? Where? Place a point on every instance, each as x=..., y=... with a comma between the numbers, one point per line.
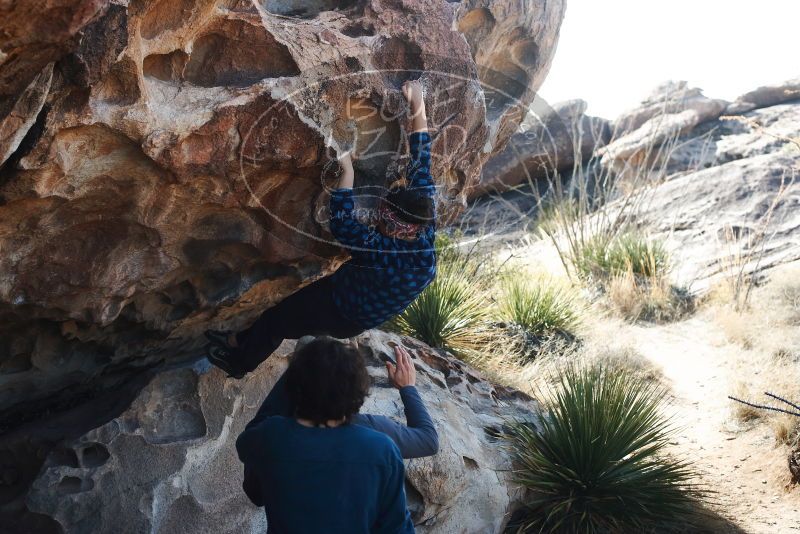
x=310, y=311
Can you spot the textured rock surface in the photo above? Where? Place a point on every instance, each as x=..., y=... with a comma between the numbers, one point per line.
x=671, y=110
x=548, y=139
x=765, y=96
x=730, y=185
x=728, y=196
x=669, y=98
x=167, y=463
x=169, y=174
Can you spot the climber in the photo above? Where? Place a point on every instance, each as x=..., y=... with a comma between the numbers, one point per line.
x=391, y=263
x=327, y=468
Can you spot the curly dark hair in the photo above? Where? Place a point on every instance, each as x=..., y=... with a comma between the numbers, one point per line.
x=327, y=380
x=411, y=205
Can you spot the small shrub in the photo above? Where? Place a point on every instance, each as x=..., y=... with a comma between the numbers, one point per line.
x=649, y=299
x=449, y=313
x=744, y=413
x=787, y=429
x=627, y=359
x=541, y=308
x=598, y=462
x=600, y=258
x=633, y=272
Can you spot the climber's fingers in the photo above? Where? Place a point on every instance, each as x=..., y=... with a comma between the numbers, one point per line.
x=406, y=91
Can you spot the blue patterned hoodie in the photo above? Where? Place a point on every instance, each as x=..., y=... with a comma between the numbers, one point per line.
x=384, y=274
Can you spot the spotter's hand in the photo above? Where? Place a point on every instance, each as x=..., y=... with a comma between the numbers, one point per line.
x=403, y=374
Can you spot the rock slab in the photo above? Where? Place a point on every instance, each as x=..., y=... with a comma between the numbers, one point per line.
x=167, y=463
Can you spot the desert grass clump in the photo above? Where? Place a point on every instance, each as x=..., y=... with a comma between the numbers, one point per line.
x=450, y=312
x=786, y=429
x=633, y=273
x=541, y=308
x=598, y=462
x=602, y=259
x=649, y=299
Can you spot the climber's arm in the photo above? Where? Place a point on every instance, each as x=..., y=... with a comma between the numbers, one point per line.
x=412, y=91
x=276, y=403
x=348, y=174
x=246, y=444
x=344, y=225
x=252, y=487
x=419, y=141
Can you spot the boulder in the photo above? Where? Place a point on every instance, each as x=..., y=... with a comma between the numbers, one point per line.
x=765, y=96
x=165, y=163
x=549, y=139
x=167, y=462
x=732, y=198
x=671, y=97
x=725, y=197
x=672, y=110
x=646, y=141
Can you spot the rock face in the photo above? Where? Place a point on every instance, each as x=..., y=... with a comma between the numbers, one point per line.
x=765, y=96
x=666, y=99
x=673, y=109
x=164, y=163
x=548, y=139
x=167, y=463
x=724, y=195
x=733, y=197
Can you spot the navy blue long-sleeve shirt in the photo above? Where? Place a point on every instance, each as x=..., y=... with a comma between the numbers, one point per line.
x=342, y=480
x=416, y=439
x=385, y=274
x=419, y=438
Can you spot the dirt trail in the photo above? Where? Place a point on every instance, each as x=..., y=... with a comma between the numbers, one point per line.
x=742, y=465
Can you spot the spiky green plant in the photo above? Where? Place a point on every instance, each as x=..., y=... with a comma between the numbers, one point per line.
x=540, y=307
x=449, y=313
x=598, y=464
x=603, y=258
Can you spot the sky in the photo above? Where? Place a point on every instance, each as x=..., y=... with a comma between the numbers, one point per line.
x=612, y=53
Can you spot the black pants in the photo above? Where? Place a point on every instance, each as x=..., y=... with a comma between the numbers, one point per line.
x=309, y=312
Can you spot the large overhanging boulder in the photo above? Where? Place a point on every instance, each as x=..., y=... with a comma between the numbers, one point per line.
x=164, y=163
x=167, y=463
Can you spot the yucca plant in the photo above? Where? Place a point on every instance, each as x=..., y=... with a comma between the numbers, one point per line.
x=450, y=312
x=598, y=463
x=540, y=307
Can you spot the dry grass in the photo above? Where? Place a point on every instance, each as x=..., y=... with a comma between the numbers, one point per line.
x=628, y=359
x=504, y=366
x=768, y=324
x=786, y=429
x=651, y=299
x=767, y=331
x=742, y=412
